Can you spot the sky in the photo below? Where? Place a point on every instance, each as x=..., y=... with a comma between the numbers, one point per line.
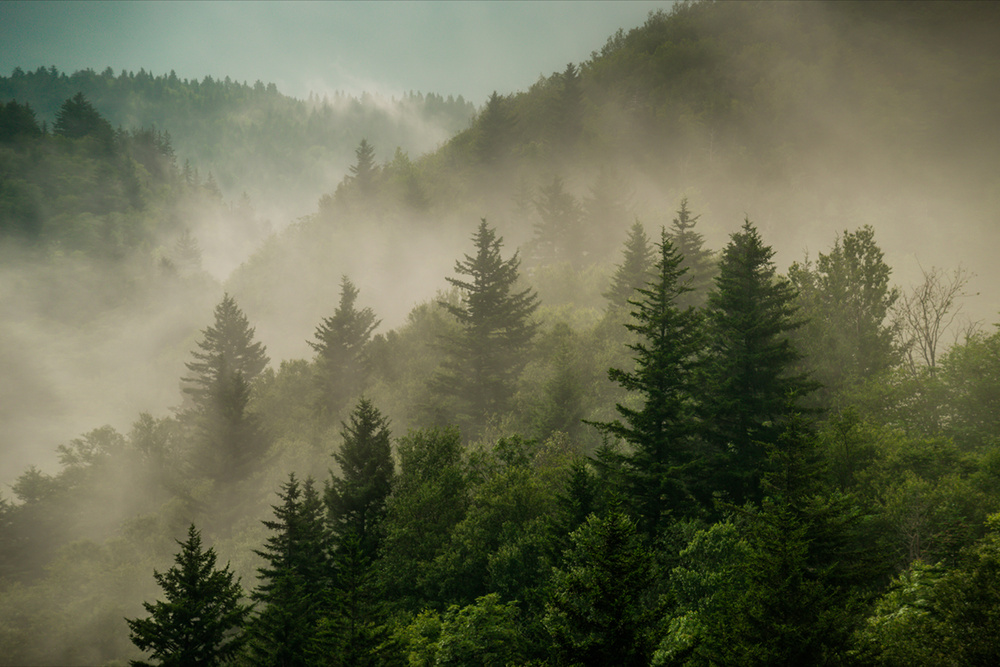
x=450, y=48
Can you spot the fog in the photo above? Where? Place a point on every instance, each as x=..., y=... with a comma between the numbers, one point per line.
x=84, y=343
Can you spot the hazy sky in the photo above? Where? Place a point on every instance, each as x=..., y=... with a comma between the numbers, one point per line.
x=452, y=48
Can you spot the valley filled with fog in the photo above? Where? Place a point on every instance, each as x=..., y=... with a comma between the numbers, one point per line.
x=729, y=283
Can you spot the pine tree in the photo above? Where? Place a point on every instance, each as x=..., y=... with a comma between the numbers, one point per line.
x=494, y=128
x=634, y=271
x=356, y=499
x=558, y=232
x=341, y=351
x=668, y=354
x=569, y=107
x=222, y=373
x=699, y=263
x=751, y=386
x=364, y=170
x=355, y=503
x=293, y=594
x=487, y=356
x=201, y=620
x=77, y=118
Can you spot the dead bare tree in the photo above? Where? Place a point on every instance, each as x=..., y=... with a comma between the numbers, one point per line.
x=927, y=312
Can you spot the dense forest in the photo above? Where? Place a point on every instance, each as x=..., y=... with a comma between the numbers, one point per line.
x=683, y=355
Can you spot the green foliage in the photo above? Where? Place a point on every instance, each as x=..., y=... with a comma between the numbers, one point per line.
x=292, y=595
x=201, y=619
x=559, y=231
x=847, y=300
x=356, y=498
x=223, y=371
x=77, y=118
x=485, y=359
x=429, y=497
x=17, y=121
x=485, y=633
x=658, y=472
x=598, y=613
x=752, y=384
x=635, y=271
x=341, y=348
x=939, y=617
x=698, y=263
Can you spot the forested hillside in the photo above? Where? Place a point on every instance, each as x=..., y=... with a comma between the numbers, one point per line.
x=684, y=355
x=282, y=152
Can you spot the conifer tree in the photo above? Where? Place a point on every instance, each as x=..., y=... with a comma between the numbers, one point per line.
x=201, y=620
x=752, y=386
x=222, y=373
x=494, y=127
x=697, y=260
x=356, y=498
x=77, y=118
x=364, y=170
x=634, y=271
x=294, y=590
x=341, y=345
x=558, y=234
x=487, y=356
x=597, y=614
x=668, y=353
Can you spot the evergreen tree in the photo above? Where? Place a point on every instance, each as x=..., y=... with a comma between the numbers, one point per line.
x=569, y=107
x=698, y=262
x=356, y=499
x=494, y=128
x=222, y=373
x=558, y=236
x=487, y=356
x=364, y=170
x=201, y=620
x=77, y=118
x=668, y=353
x=634, y=271
x=598, y=613
x=429, y=498
x=17, y=121
x=355, y=504
x=752, y=388
x=187, y=253
x=341, y=346
x=293, y=592
x=605, y=213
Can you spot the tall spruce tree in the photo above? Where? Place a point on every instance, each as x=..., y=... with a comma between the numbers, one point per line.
x=341, y=346
x=356, y=502
x=634, y=271
x=364, y=169
x=697, y=260
x=668, y=355
x=752, y=386
x=202, y=618
x=494, y=127
x=356, y=498
x=558, y=234
x=293, y=595
x=230, y=438
x=487, y=355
